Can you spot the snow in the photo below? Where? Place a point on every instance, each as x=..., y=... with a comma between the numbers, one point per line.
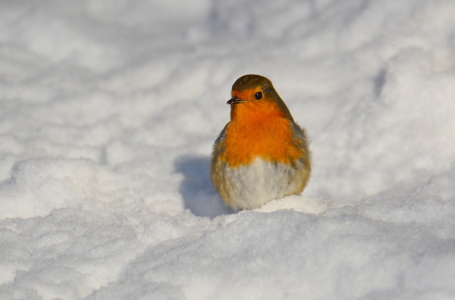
x=109, y=111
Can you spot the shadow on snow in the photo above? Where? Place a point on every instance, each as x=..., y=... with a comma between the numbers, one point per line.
x=196, y=188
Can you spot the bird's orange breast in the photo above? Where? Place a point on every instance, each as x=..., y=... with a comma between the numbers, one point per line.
x=259, y=129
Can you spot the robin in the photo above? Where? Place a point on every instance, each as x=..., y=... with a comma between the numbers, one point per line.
x=261, y=154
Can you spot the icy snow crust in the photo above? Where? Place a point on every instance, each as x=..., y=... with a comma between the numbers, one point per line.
x=109, y=110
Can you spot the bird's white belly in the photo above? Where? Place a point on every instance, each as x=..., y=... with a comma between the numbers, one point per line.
x=253, y=185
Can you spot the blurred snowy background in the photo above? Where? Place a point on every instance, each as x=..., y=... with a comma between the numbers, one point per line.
x=108, y=112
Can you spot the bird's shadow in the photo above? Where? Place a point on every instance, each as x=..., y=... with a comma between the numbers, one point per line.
x=196, y=188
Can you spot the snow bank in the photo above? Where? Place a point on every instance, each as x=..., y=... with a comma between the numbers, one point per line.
x=108, y=113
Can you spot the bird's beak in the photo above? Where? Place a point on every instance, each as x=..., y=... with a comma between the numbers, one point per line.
x=235, y=100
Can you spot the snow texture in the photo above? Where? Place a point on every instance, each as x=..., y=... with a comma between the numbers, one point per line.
x=109, y=110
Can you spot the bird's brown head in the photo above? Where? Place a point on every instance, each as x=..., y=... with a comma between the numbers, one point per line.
x=253, y=96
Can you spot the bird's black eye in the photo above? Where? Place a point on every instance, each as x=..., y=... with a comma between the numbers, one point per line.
x=258, y=95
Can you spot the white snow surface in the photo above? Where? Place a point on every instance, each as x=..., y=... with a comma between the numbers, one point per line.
x=109, y=110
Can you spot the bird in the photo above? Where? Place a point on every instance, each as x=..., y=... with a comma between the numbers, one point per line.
x=262, y=153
